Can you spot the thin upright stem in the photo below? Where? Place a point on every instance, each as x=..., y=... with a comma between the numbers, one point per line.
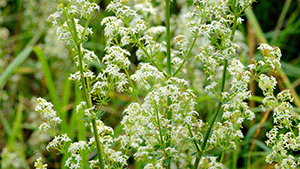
x=133, y=87
x=152, y=61
x=86, y=95
x=89, y=103
x=217, y=111
x=280, y=21
x=168, y=37
x=169, y=72
x=186, y=57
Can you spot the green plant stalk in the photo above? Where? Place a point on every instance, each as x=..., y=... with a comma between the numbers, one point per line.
x=150, y=58
x=283, y=13
x=159, y=129
x=216, y=113
x=235, y=154
x=222, y=157
x=254, y=23
x=168, y=37
x=186, y=57
x=146, y=53
x=132, y=86
x=86, y=95
x=211, y=123
x=169, y=72
x=88, y=100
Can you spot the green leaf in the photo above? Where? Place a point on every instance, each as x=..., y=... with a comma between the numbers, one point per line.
x=13, y=65
x=194, y=153
x=18, y=60
x=100, y=114
x=290, y=70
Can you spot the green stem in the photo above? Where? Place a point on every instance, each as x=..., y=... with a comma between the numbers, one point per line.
x=89, y=103
x=186, y=57
x=169, y=72
x=72, y=28
x=216, y=113
x=235, y=154
x=133, y=87
x=284, y=11
x=168, y=37
x=192, y=135
x=222, y=156
x=160, y=131
x=99, y=150
x=152, y=61
x=86, y=95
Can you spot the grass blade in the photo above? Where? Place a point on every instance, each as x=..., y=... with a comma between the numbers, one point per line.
x=51, y=87
x=13, y=65
x=18, y=60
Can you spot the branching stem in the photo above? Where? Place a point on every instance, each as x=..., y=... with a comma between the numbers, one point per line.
x=217, y=111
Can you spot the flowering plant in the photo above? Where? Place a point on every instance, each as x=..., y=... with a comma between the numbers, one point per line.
x=162, y=127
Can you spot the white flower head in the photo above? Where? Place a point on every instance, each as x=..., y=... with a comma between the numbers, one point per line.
x=45, y=108
x=271, y=55
x=39, y=165
x=117, y=56
x=145, y=74
x=58, y=142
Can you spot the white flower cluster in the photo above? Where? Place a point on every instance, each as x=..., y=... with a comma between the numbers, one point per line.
x=145, y=75
x=106, y=138
x=282, y=137
x=267, y=84
x=235, y=107
x=210, y=162
x=146, y=9
x=224, y=135
x=156, y=30
x=117, y=56
x=65, y=32
x=183, y=44
x=66, y=29
x=110, y=76
x=82, y=7
x=149, y=49
x=281, y=144
x=58, y=142
x=146, y=125
x=120, y=9
x=74, y=160
x=45, y=108
x=126, y=23
x=39, y=165
x=279, y=141
x=271, y=54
